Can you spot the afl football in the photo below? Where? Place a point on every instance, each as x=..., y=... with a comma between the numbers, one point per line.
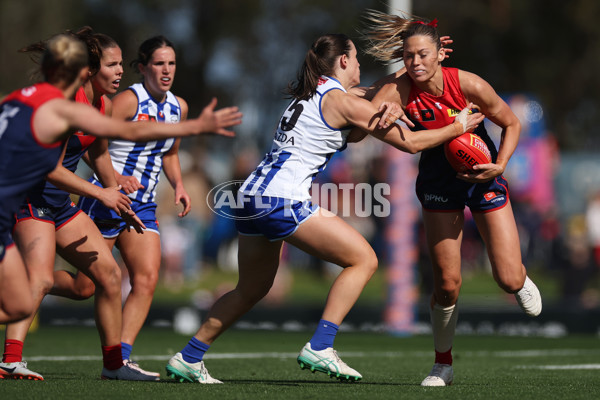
x=466, y=151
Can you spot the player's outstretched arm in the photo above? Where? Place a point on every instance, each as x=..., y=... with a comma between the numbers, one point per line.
x=60, y=115
x=218, y=121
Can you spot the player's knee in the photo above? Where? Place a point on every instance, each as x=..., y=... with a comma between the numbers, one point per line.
x=108, y=278
x=18, y=310
x=43, y=285
x=85, y=290
x=255, y=293
x=371, y=262
x=450, y=287
x=145, y=283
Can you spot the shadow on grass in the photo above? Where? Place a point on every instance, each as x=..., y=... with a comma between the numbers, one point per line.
x=283, y=382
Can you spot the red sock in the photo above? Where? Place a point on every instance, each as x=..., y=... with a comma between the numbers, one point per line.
x=111, y=357
x=13, y=351
x=443, y=358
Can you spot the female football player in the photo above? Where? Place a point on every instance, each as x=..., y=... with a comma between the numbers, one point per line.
x=432, y=95
x=278, y=192
x=36, y=123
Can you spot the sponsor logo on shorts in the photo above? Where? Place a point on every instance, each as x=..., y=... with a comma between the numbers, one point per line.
x=43, y=211
x=435, y=198
x=489, y=195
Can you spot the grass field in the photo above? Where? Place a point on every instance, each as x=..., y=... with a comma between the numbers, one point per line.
x=262, y=365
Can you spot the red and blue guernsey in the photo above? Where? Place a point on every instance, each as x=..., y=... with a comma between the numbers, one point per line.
x=432, y=112
x=24, y=161
x=437, y=186
x=48, y=195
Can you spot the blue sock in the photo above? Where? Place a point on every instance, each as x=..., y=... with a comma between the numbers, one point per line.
x=126, y=350
x=324, y=335
x=194, y=351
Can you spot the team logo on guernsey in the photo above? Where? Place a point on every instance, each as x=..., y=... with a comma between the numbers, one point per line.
x=28, y=91
x=427, y=114
x=322, y=80
x=225, y=199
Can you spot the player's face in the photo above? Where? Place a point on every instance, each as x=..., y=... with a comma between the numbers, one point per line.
x=353, y=66
x=421, y=57
x=108, y=78
x=160, y=72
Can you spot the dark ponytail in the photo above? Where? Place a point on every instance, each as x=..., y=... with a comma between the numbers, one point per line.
x=320, y=60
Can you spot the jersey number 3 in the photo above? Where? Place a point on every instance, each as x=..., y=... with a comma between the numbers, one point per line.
x=296, y=107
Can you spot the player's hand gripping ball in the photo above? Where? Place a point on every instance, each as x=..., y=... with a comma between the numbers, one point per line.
x=466, y=151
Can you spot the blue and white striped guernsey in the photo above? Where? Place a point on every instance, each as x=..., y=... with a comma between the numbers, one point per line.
x=143, y=160
x=303, y=145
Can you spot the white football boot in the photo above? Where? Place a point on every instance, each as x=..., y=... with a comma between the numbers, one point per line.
x=328, y=362
x=18, y=370
x=127, y=373
x=136, y=366
x=440, y=375
x=529, y=298
x=179, y=369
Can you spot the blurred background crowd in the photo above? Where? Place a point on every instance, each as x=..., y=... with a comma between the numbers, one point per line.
x=541, y=56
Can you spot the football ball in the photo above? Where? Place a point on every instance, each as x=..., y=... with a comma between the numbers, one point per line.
x=466, y=151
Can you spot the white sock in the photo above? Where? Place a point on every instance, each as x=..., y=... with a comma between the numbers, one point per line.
x=443, y=323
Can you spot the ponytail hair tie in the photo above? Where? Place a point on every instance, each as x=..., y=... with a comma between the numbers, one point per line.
x=433, y=23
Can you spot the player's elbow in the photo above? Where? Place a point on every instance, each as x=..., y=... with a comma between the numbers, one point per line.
x=411, y=148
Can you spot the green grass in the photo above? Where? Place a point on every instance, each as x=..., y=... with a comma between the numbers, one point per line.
x=310, y=287
x=486, y=367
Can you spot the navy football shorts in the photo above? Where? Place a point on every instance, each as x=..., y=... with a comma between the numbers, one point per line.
x=111, y=224
x=6, y=241
x=480, y=197
x=59, y=216
x=273, y=217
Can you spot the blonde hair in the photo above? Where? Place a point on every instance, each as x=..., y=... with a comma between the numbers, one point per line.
x=385, y=34
x=62, y=58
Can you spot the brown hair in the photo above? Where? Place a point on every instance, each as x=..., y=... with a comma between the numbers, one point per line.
x=385, y=34
x=319, y=60
x=148, y=47
x=95, y=43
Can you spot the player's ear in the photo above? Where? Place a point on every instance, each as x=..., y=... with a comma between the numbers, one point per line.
x=343, y=61
x=441, y=54
x=85, y=74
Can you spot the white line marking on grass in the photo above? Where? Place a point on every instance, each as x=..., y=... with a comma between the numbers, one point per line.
x=560, y=367
x=389, y=354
